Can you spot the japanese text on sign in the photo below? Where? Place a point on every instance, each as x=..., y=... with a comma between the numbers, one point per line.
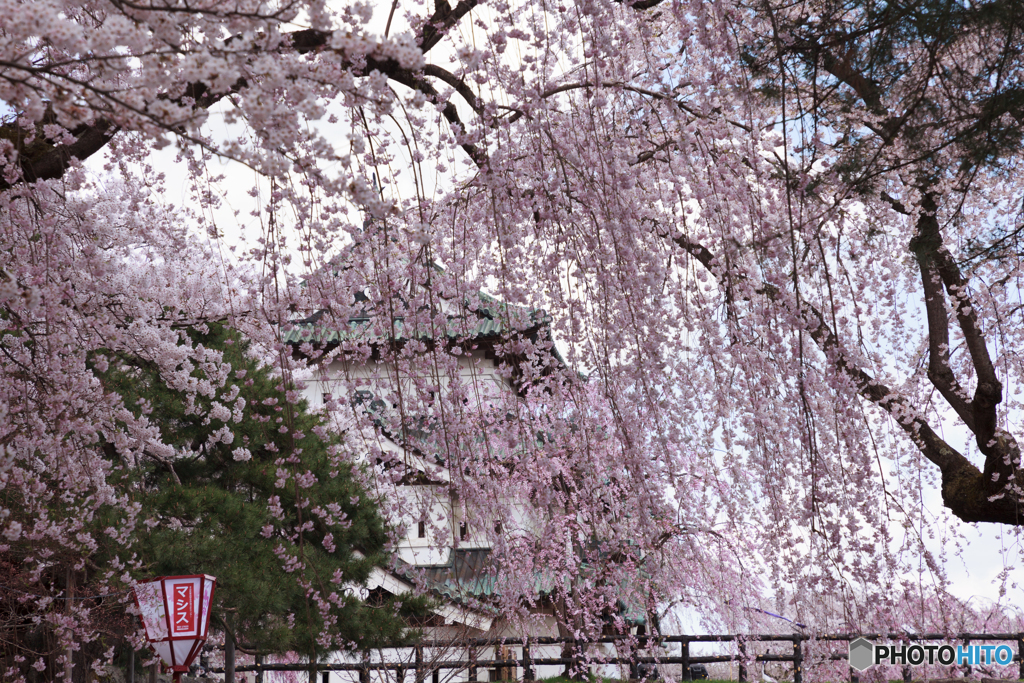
x=184, y=617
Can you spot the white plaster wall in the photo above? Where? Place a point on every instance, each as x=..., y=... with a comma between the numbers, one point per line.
x=485, y=385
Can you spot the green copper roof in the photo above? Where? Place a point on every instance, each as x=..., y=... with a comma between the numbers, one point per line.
x=469, y=575
x=359, y=329
x=466, y=574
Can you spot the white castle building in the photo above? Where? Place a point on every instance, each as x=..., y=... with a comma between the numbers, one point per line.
x=446, y=546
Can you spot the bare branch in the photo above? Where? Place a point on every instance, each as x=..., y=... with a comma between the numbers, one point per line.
x=443, y=18
x=968, y=493
x=925, y=246
x=47, y=161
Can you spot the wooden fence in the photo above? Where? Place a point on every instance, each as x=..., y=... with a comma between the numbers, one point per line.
x=524, y=661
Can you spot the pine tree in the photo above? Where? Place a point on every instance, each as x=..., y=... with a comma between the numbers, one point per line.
x=258, y=497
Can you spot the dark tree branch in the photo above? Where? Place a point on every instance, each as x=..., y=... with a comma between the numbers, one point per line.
x=969, y=494
x=54, y=162
x=311, y=40
x=44, y=161
x=443, y=18
x=455, y=82
x=925, y=246
x=640, y=4
x=845, y=72
x=938, y=270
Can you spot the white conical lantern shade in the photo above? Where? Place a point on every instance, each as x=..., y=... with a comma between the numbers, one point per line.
x=176, y=613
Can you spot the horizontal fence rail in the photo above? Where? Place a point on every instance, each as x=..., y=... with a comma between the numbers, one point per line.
x=525, y=660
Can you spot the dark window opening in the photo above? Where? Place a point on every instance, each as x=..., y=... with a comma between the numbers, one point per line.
x=463, y=531
x=378, y=597
x=421, y=531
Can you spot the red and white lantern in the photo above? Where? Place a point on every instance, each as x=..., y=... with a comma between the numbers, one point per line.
x=176, y=613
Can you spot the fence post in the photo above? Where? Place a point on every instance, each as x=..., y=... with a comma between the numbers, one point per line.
x=1020, y=654
x=364, y=669
x=743, y=661
x=798, y=660
x=854, y=677
x=69, y=651
x=967, y=669
x=419, y=663
x=472, y=664
x=684, y=654
x=528, y=674
x=229, y=658
x=131, y=662
x=259, y=670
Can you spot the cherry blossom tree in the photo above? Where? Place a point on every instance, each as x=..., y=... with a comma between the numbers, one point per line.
x=83, y=282
x=775, y=244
